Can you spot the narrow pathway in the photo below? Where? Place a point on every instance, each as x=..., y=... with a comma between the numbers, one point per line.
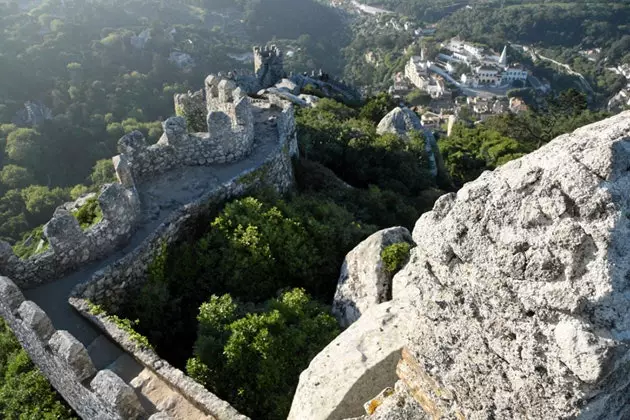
x=159, y=199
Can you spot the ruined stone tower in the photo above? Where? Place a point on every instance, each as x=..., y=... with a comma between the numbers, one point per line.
x=268, y=65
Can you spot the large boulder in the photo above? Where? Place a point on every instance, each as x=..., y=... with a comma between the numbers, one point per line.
x=519, y=292
x=521, y=281
x=400, y=121
x=364, y=282
x=354, y=367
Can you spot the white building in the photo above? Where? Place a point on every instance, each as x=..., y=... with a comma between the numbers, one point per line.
x=512, y=74
x=416, y=72
x=487, y=75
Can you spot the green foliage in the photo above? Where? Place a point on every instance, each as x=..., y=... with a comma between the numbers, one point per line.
x=24, y=391
x=124, y=324
x=395, y=256
x=29, y=245
x=103, y=172
x=254, y=359
x=40, y=202
x=13, y=176
x=89, y=213
x=470, y=151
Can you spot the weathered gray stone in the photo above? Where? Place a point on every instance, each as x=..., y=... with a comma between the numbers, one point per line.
x=521, y=283
x=73, y=353
x=63, y=231
x=354, y=367
x=363, y=281
x=400, y=121
x=175, y=130
x=123, y=171
x=10, y=294
x=37, y=320
x=118, y=394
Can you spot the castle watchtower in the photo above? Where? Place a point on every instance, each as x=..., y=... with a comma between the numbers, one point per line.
x=268, y=65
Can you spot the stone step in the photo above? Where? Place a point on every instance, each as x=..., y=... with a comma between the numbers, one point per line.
x=103, y=352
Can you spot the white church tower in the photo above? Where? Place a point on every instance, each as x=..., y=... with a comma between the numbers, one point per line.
x=503, y=60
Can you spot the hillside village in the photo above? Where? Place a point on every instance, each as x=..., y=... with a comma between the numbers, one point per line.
x=464, y=78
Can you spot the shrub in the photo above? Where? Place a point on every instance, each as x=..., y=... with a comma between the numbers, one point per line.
x=89, y=213
x=395, y=256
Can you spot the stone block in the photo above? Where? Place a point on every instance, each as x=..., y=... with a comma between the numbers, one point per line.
x=73, y=353
x=36, y=319
x=64, y=232
x=10, y=294
x=123, y=171
x=131, y=143
x=118, y=204
x=354, y=367
x=122, y=397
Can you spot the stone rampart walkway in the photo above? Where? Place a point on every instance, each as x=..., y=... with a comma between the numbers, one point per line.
x=159, y=199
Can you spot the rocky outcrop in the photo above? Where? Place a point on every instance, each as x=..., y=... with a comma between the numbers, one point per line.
x=364, y=282
x=518, y=290
x=400, y=121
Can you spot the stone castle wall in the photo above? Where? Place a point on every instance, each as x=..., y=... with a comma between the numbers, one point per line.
x=112, y=284
x=70, y=246
x=228, y=135
x=62, y=358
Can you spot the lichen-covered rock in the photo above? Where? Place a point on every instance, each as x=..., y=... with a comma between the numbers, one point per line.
x=118, y=394
x=364, y=280
x=521, y=284
x=400, y=121
x=37, y=320
x=354, y=367
x=72, y=352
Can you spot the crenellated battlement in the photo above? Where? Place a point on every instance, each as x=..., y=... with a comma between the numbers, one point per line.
x=70, y=245
x=66, y=362
x=82, y=357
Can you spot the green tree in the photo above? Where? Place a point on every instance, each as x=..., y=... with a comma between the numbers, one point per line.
x=103, y=172
x=41, y=202
x=24, y=147
x=13, y=176
x=254, y=359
